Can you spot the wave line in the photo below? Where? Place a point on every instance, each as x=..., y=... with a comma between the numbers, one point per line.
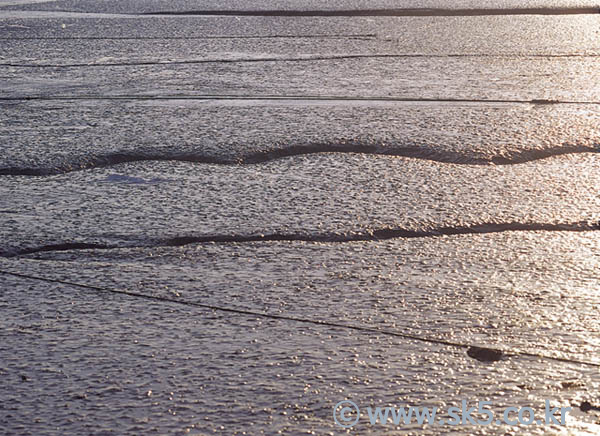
x=328, y=237
x=298, y=59
x=299, y=98
x=168, y=38
x=409, y=12
x=446, y=157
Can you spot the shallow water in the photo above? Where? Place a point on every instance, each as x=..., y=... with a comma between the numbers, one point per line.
x=170, y=368
x=432, y=177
